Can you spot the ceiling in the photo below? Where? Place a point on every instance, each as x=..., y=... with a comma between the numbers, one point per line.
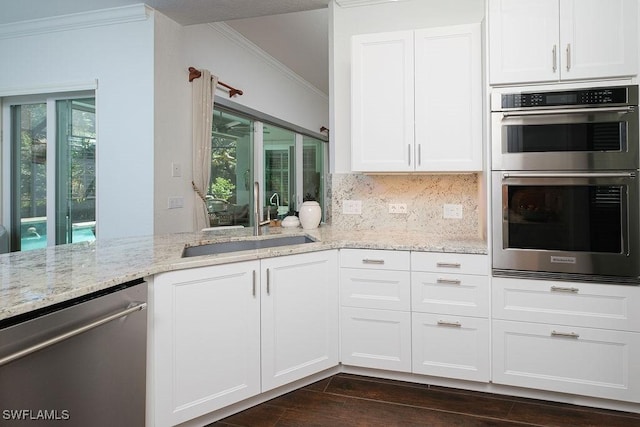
x=294, y=32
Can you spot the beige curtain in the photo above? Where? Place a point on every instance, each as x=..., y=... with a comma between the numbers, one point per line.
x=202, y=101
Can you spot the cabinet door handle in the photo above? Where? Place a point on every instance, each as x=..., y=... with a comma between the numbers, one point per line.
x=268, y=282
x=254, y=283
x=448, y=264
x=563, y=289
x=555, y=58
x=568, y=56
x=409, y=152
x=448, y=281
x=449, y=324
x=419, y=154
x=565, y=334
x=372, y=261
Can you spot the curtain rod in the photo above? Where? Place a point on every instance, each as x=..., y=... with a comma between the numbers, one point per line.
x=194, y=73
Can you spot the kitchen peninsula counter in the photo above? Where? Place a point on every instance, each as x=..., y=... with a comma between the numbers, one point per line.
x=35, y=279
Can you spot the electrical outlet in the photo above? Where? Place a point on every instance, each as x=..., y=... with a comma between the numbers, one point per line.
x=352, y=207
x=452, y=211
x=397, y=208
x=175, y=202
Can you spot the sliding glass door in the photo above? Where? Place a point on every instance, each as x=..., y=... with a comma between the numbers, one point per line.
x=52, y=189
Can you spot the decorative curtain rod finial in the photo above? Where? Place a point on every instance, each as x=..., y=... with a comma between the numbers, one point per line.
x=194, y=73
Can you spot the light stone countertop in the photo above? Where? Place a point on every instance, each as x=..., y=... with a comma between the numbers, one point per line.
x=40, y=278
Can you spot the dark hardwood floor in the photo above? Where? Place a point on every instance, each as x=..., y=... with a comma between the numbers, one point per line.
x=350, y=400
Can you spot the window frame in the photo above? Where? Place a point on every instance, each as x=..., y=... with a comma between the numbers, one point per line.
x=49, y=99
x=259, y=119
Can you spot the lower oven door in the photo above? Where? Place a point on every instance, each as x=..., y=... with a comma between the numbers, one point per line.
x=576, y=226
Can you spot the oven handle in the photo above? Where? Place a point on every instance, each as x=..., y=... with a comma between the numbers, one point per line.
x=622, y=110
x=72, y=333
x=570, y=175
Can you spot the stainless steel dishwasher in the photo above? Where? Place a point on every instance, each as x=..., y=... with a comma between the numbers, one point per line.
x=78, y=363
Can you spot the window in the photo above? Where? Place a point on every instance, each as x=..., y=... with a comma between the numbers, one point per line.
x=289, y=166
x=52, y=162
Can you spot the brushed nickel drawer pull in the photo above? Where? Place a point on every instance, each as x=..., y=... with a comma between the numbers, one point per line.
x=565, y=334
x=563, y=289
x=372, y=261
x=449, y=324
x=448, y=264
x=449, y=281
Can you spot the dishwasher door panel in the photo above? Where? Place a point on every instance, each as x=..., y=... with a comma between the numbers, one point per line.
x=96, y=377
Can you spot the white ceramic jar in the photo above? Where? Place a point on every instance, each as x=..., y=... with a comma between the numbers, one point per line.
x=310, y=214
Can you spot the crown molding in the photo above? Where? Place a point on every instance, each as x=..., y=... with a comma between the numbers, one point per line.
x=356, y=3
x=237, y=38
x=116, y=15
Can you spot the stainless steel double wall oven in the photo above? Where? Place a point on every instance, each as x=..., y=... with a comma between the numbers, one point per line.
x=565, y=184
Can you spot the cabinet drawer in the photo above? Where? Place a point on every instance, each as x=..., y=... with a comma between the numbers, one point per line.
x=378, y=339
x=445, y=293
x=383, y=289
x=569, y=303
x=450, y=263
x=585, y=361
x=450, y=346
x=375, y=259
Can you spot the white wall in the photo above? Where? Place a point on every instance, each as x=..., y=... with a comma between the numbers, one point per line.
x=115, y=48
x=267, y=85
x=345, y=22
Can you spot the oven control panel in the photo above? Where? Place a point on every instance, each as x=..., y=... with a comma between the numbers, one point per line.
x=590, y=97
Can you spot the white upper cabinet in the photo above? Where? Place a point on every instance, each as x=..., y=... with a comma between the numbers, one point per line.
x=382, y=102
x=551, y=40
x=448, y=98
x=416, y=100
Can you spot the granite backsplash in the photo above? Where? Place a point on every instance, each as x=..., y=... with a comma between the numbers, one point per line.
x=424, y=195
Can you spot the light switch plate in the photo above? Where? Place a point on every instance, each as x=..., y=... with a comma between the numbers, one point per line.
x=352, y=207
x=452, y=211
x=175, y=202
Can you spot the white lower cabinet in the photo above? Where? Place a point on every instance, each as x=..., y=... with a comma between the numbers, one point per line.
x=375, y=304
x=584, y=361
x=450, y=320
x=579, y=338
x=206, y=335
x=419, y=312
x=299, y=318
x=451, y=346
x=224, y=333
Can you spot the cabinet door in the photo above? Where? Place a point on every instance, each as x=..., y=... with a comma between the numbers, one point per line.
x=598, y=38
x=382, y=102
x=379, y=339
x=584, y=361
x=450, y=346
x=299, y=316
x=206, y=338
x=448, y=99
x=523, y=41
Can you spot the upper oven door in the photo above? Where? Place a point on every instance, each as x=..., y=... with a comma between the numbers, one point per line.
x=566, y=139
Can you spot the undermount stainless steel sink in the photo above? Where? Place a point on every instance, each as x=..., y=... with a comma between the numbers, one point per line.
x=243, y=245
